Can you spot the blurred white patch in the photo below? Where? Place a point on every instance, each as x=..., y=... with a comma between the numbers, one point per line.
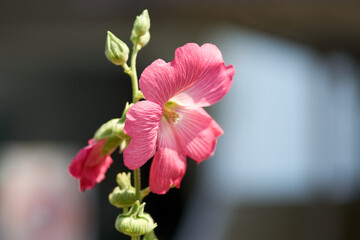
x=39, y=200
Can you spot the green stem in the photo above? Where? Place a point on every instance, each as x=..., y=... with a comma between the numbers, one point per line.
x=125, y=209
x=127, y=69
x=134, y=78
x=137, y=181
x=135, y=87
x=131, y=71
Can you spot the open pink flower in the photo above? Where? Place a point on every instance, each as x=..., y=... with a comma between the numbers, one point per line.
x=89, y=165
x=171, y=124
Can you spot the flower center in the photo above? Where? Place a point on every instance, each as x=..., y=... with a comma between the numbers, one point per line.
x=171, y=115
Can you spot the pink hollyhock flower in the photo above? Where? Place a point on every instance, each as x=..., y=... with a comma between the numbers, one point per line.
x=89, y=165
x=171, y=124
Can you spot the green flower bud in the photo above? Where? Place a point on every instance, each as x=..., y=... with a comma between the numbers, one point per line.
x=124, y=180
x=110, y=128
x=124, y=195
x=142, y=23
x=143, y=40
x=113, y=132
x=135, y=222
x=116, y=51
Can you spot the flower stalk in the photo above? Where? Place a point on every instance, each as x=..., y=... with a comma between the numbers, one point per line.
x=134, y=78
x=135, y=90
x=137, y=181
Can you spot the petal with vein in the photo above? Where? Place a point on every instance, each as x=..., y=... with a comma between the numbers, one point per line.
x=158, y=82
x=142, y=124
x=198, y=132
x=169, y=164
x=213, y=81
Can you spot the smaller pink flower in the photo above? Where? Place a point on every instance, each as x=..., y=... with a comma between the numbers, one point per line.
x=89, y=165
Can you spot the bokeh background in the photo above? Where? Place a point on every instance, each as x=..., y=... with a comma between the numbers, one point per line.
x=287, y=167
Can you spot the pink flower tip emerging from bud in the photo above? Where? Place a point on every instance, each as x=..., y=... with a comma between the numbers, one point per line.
x=89, y=165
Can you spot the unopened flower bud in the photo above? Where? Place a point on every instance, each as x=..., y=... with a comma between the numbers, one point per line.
x=110, y=128
x=124, y=180
x=116, y=51
x=124, y=195
x=143, y=40
x=135, y=222
x=113, y=132
x=142, y=23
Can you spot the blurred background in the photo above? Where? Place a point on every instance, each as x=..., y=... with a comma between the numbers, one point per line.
x=287, y=166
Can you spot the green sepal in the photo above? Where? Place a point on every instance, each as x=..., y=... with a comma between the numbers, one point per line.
x=150, y=236
x=124, y=143
x=113, y=132
x=111, y=143
x=124, y=180
x=121, y=198
x=144, y=40
x=114, y=127
x=135, y=222
x=140, y=41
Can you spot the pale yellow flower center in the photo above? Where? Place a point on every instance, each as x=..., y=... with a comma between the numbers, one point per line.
x=171, y=115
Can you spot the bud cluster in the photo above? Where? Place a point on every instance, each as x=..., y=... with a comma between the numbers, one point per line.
x=140, y=34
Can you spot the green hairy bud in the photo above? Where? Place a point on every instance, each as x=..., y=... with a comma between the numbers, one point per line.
x=116, y=51
x=143, y=40
x=140, y=33
x=110, y=128
x=135, y=222
x=124, y=180
x=142, y=23
x=124, y=195
x=113, y=132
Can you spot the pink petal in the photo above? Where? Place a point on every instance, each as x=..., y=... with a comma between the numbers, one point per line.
x=142, y=124
x=169, y=164
x=196, y=76
x=103, y=167
x=198, y=132
x=95, y=174
x=158, y=82
x=95, y=155
x=77, y=164
x=89, y=166
x=213, y=82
